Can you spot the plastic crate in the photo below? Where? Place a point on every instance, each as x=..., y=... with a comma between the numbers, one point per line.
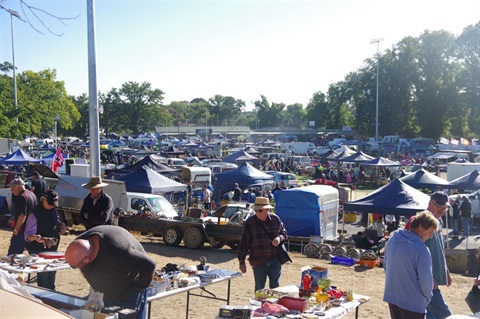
x=368, y=263
x=345, y=261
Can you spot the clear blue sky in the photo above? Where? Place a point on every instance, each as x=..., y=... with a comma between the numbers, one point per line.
x=285, y=50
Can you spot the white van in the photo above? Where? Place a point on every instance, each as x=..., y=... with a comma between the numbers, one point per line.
x=156, y=204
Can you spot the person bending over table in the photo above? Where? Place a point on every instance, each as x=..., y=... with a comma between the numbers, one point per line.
x=114, y=263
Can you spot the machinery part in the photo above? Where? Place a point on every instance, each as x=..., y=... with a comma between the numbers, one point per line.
x=368, y=255
x=311, y=250
x=340, y=251
x=325, y=249
x=193, y=238
x=216, y=243
x=172, y=236
x=353, y=253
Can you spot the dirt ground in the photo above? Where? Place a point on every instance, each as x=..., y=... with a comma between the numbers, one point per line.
x=369, y=282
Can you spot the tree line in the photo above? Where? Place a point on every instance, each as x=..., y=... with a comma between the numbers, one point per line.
x=428, y=86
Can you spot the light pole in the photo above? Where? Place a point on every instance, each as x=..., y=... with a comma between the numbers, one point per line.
x=55, y=120
x=377, y=41
x=16, y=15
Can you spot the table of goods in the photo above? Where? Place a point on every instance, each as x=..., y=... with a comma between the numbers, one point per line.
x=32, y=264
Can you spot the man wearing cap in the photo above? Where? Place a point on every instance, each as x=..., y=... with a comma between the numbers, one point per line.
x=437, y=308
x=43, y=222
x=39, y=186
x=97, y=208
x=23, y=201
x=261, y=235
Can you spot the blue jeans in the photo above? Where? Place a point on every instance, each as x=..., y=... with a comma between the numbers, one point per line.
x=131, y=300
x=456, y=227
x=272, y=269
x=437, y=308
x=46, y=279
x=466, y=226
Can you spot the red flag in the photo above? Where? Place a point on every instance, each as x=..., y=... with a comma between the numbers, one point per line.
x=58, y=160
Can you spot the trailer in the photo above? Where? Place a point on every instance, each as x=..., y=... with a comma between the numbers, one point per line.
x=217, y=231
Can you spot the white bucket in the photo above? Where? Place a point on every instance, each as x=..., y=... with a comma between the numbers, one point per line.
x=316, y=239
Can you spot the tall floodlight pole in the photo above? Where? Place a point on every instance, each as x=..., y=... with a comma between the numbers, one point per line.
x=16, y=15
x=377, y=41
x=92, y=94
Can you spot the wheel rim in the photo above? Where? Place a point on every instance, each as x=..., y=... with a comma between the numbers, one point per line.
x=353, y=253
x=171, y=237
x=193, y=238
x=311, y=250
x=325, y=249
x=340, y=251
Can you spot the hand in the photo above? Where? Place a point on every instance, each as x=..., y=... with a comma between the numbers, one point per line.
x=276, y=241
x=63, y=229
x=39, y=239
x=476, y=282
x=243, y=269
x=15, y=231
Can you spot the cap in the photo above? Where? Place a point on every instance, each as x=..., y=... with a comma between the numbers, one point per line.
x=16, y=182
x=440, y=198
x=52, y=198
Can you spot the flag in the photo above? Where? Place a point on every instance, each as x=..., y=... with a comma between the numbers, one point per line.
x=58, y=160
x=464, y=141
x=443, y=140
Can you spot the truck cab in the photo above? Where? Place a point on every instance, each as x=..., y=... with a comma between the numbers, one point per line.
x=156, y=204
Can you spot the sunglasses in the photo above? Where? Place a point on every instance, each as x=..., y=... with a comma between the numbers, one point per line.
x=79, y=263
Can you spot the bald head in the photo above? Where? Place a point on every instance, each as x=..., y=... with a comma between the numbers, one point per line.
x=77, y=252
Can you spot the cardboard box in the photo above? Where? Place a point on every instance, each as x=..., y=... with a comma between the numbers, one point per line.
x=316, y=273
x=350, y=218
x=292, y=303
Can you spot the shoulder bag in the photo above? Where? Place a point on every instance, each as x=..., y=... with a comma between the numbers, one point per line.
x=282, y=252
x=473, y=298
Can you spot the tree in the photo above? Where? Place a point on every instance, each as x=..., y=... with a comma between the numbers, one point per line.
x=269, y=115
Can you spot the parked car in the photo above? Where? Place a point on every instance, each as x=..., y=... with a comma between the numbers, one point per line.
x=290, y=180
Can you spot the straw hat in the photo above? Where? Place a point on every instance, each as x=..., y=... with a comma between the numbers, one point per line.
x=95, y=182
x=261, y=203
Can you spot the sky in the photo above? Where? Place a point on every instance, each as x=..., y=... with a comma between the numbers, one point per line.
x=284, y=50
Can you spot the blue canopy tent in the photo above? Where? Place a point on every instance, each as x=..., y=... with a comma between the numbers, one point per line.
x=424, y=179
x=382, y=162
x=245, y=175
x=19, y=157
x=146, y=180
x=239, y=157
x=396, y=198
x=470, y=181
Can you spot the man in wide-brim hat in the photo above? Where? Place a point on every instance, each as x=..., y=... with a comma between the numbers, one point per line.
x=261, y=235
x=97, y=208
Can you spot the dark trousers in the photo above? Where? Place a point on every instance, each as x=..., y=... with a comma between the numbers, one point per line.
x=46, y=279
x=271, y=269
x=131, y=300
x=17, y=244
x=400, y=313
